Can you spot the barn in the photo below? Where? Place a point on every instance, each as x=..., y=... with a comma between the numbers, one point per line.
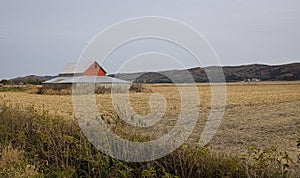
x=91, y=68
x=85, y=73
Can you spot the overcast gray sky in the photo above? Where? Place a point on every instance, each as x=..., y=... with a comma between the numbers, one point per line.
x=41, y=37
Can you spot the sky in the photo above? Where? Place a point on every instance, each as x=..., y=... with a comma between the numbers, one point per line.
x=41, y=37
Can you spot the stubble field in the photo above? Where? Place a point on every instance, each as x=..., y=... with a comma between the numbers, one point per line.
x=262, y=114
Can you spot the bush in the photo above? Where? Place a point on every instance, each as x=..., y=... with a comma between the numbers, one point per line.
x=139, y=87
x=12, y=89
x=40, y=90
x=53, y=147
x=13, y=164
x=269, y=161
x=102, y=90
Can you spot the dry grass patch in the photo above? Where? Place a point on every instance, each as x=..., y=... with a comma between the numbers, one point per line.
x=263, y=114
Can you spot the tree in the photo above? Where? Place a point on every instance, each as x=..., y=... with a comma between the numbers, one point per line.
x=5, y=82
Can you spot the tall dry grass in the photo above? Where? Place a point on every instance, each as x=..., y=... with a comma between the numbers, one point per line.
x=47, y=146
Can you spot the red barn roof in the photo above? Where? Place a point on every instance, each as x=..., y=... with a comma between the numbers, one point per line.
x=91, y=68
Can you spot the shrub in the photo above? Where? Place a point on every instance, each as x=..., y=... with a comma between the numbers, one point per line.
x=13, y=164
x=12, y=89
x=102, y=90
x=268, y=162
x=41, y=90
x=53, y=147
x=139, y=87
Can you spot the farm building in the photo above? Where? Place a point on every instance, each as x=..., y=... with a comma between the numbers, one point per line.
x=85, y=73
x=83, y=69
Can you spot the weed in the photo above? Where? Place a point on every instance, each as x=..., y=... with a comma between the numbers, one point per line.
x=49, y=146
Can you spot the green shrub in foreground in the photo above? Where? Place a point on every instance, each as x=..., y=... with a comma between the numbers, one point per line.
x=54, y=147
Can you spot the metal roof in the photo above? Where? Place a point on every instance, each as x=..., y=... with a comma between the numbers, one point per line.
x=85, y=79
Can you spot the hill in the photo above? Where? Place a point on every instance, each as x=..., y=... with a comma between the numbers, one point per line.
x=30, y=79
x=251, y=72
x=286, y=72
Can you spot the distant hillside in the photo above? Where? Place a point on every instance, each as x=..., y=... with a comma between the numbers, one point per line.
x=251, y=72
x=287, y=72
x=31, y=79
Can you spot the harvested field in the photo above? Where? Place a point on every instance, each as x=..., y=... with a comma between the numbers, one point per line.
x=262, y=114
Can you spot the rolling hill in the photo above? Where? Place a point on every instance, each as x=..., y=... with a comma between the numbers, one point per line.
x=251, y=72
x=286, y=72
